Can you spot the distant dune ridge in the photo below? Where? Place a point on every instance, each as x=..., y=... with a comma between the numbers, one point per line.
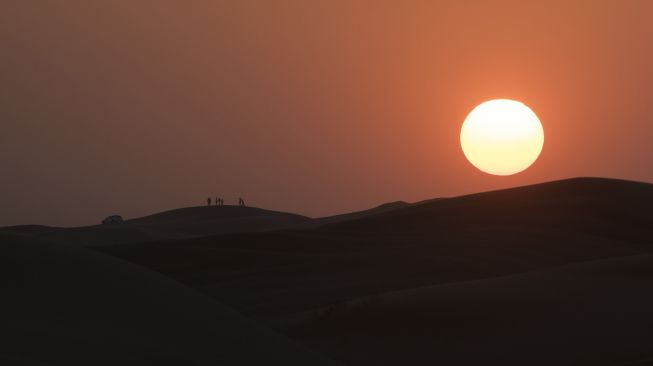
x=189, y=222
x=554, y=273
x=181, y=223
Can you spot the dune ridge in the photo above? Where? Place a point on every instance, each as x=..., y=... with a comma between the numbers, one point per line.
x=553, y=273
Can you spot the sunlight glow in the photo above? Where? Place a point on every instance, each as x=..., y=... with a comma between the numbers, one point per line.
x=502, y=137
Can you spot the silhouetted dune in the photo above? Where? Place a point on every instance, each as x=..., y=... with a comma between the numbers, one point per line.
x=471, y=237
x=185, y=223
x=594, y=206
x=65, y=305
x=596, y=313
x=209, y=213
x=555, y=273
x=28, y=230
x=361, y=214
x=176, y=224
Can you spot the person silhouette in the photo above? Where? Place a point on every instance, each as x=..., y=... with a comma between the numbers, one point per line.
x=241, y=201
x=221, y=202
x=216, y=202
x=208, y=201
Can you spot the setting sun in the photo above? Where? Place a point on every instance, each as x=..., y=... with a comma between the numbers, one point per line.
x=502, y=137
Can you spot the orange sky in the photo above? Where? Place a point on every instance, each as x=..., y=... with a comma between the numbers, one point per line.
x=315, y=107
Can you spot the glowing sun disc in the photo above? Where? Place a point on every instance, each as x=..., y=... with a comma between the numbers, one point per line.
x=502, y=137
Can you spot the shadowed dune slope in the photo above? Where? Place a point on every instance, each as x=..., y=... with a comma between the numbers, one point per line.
x=65, y=305
x=386, y=207
x=176, y=224
x=276, y=274
x=190, y=222
x=596, y=313
x=608, y=208
x=551, y=274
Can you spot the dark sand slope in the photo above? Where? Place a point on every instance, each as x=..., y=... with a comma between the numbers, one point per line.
x=386, y=207
x=185, y=223
x=608, y=208
x=596, y=313
x=275, y=274
x=551, y=274
x=65, y=305
x=176, y=224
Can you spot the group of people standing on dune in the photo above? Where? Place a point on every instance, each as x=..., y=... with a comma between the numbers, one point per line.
x=220, y=201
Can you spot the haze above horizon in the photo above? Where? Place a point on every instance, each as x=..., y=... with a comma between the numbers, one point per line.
x=316, y=108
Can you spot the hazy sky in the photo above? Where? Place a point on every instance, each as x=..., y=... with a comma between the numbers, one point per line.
x=315, y=107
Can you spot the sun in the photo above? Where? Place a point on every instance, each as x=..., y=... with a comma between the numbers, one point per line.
x=502, y=137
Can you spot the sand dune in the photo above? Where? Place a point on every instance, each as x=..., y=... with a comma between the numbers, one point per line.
x=186, y=223
x=64, y=305
x=555, y=273
x=175, y=224
x=608, y=208
x=596, y=313
x=465, y=238
x=386, y=207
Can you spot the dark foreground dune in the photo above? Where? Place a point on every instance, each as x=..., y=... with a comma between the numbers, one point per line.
x=64, y=305
x=595, y=313
x=279, y=277
x=471, y=237
x=550, y=274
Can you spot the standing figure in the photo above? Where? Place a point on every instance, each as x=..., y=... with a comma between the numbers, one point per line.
x=208, y=201
x=221, y=202
x=217, y=202
x=241, y=202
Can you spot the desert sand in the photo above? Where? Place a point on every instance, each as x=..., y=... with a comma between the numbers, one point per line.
x=555, y=273
x=65, y=305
